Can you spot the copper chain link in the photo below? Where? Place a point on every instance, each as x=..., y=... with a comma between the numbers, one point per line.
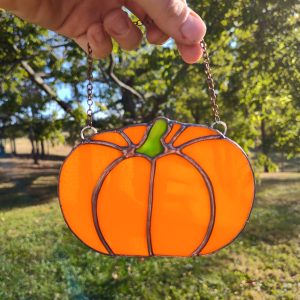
x=210, y=82
x=89, y=87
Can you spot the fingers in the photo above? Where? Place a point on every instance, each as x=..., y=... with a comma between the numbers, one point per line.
x=119, y=26
x=190, y=53
x=153, y=34
x=169, y=18
x=98, y=39
x=116, y=25
x=175, y=19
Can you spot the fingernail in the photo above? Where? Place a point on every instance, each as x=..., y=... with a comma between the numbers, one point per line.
x=120, y=26
x=192, y=29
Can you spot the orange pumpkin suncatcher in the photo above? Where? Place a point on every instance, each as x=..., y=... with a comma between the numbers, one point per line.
x=163, y=189
x=160, y=189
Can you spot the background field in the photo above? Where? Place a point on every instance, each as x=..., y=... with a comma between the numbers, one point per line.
x=41, y=259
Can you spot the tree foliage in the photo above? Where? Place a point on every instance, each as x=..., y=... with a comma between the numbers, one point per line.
x=253, y=44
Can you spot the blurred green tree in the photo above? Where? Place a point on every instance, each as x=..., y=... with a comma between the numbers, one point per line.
x=253, y=46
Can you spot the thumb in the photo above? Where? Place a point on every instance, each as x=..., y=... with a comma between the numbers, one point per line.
x=175, y=19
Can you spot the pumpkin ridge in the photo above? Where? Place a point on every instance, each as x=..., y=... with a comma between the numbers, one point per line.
x=96, y=192
x=212, y=202
x=126, y=137
x=224, y=245
x=107, y=144
x=191, y=132
x=177, y=134
x=110, y=136
x=150, y=206
x=200, y=139
x=134, y=140
x=61, y=190
x=210, y=190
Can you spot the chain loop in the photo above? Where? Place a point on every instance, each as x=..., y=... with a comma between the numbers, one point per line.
x=210, y=83
x=223, y=124
x=145, y=21
x=138, y=23
x=87, y=128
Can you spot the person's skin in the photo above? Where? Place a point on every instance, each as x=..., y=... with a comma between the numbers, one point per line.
x=98, y=21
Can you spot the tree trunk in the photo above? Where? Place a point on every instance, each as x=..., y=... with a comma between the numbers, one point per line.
x=12, y=146
x=42, y=148
x=282, y=160
x=48, y=147
x=15, y=147
x=33, y=149
x=128, y=105
x=34, y=153
x=2, y=146
x=37, y=148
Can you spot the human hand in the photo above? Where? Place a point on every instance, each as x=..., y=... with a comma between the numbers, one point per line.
x=97, y=21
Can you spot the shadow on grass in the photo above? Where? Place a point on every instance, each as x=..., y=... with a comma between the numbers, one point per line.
x=269, y=183
x=50, y=157
x=24, y=184
x=285, y=165
x=275, y=217
x=279, y=224
x=30, y=190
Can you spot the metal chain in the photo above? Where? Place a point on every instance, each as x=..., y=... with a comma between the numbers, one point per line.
x=210, y=83
x=89, y=87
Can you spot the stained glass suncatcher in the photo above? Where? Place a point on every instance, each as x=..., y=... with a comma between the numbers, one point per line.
x=160, y=189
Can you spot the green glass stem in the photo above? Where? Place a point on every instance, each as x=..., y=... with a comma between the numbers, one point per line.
x=153, y=146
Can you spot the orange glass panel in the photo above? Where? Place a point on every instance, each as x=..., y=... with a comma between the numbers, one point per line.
x=78, y=177
x=123, y=204
x=181, y=207
x=193, y=132
x=110, y=136
x=174, y=129
x=233, y=183
x=135, y=133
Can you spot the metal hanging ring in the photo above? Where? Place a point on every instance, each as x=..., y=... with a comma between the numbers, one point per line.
x=89, y=128
x=220, y=123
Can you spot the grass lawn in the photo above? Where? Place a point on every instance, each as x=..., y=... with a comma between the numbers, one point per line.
x=41, y=259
